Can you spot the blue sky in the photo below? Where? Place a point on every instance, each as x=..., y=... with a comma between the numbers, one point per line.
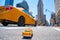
x=48, y=4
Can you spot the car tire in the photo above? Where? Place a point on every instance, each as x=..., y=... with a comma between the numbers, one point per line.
x=4, y=23
x=21, y=21
x=35, y=24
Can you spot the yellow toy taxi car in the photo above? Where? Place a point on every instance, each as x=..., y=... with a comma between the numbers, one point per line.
x=14, y=15
x=27, y=33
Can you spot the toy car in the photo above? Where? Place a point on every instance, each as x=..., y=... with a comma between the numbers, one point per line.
x=27, y=33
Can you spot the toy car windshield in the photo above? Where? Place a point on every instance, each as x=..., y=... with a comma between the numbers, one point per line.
x=27, y=30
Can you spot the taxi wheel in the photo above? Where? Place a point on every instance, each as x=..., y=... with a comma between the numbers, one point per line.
x=4, y=23
x=21, y=21
x=35, y=24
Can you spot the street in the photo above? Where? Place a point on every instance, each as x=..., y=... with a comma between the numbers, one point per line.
x=39, y=33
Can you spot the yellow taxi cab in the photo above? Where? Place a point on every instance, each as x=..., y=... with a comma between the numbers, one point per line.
x=14, y=15
x=27, y=32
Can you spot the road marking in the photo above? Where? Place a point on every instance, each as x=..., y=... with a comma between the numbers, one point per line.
x=12, y=27
x=57, y=29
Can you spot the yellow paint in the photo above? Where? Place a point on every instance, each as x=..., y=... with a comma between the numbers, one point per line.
x=14, y=14
x=27, y=34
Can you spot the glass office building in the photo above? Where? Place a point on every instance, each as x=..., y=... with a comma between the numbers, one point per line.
x=9, y=2
x=24, y=5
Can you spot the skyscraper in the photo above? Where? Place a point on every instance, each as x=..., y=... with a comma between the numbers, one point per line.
x=9, y=2
x=57, y=5
x=40, y=12
x=24, y=5
x=52, y=19
x=57, y=10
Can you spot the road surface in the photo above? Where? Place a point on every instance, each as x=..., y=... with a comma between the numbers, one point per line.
x=39, y=33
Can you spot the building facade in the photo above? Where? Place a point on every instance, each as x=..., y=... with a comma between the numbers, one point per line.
x=52, y=19
x=9, y=2
x=40, y=15
x=57, y=5
x=23, y=4
x=45, y=21
x=57, y=10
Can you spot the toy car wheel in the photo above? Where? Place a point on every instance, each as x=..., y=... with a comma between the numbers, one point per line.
x=4, y=23
x=24, y=37
x=21, y=21
x=32, y=35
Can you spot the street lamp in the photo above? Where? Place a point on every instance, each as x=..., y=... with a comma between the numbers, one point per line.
x=53, y=18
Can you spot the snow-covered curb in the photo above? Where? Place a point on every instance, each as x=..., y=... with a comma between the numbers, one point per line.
x=58, y=29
